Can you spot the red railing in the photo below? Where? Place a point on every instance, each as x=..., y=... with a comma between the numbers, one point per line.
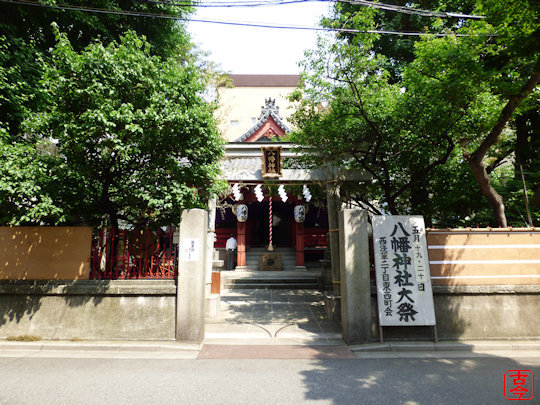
x=222, y=234
x=136, y=254
x=315, y=237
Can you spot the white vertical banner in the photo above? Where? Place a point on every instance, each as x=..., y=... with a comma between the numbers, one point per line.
x=404, y=294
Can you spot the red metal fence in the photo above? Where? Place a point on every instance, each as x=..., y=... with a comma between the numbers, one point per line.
x=136, y=254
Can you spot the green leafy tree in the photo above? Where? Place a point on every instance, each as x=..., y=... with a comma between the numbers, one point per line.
x=28, y=185
x=136, y=140
x=26, y=37
x=499, y=57
x=39, y=183
x=411, y=118
x=355, y=114
x=397, y=50
x=528, y=148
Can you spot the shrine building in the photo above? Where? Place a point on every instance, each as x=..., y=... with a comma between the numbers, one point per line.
x=277, y=221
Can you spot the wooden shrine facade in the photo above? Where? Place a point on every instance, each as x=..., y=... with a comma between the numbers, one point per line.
x=255, y=165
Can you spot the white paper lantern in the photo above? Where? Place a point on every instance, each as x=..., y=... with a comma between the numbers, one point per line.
x=299, y=213
x=242, y=212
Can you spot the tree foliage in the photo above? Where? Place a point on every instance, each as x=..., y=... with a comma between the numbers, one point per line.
x=420, y=115
x=98, y=126
x=26, y=36
x=28, y=185
x=136, y=140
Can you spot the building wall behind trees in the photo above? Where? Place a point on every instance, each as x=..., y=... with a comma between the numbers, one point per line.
x=242, y=103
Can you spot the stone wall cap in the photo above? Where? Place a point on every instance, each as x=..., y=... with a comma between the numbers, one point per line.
x=88, y=287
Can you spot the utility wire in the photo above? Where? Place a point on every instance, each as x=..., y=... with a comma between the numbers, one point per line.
x=227, y=4
x=94, y=10
x=365, y=3
x=232, y=23
x=411, y=10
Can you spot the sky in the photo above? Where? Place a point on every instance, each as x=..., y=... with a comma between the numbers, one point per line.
x=249, y=50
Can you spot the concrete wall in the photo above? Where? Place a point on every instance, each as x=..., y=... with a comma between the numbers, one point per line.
x=484, y=256
x=45, y=253
x=242, y=104
x=475, y=312
x=128, y=310
x=486, y=285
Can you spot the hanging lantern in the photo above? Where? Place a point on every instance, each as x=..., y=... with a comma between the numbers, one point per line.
x=299, y=213
x=242, y=212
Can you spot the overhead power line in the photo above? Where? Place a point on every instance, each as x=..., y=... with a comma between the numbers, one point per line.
x=227, y=4
x=94, y=10
x=232, y=23
x=365, y=3
x=411, y=10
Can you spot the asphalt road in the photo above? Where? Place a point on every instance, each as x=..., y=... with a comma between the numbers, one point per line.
x=409, y=379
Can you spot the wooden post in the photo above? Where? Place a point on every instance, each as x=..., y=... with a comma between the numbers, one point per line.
x=300, y=262
x=333, y=222
x=241, y=240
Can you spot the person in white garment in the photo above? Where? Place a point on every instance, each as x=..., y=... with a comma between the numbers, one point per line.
x=231, y=246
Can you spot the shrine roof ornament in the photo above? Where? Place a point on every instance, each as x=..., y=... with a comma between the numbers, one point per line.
x=269, y=115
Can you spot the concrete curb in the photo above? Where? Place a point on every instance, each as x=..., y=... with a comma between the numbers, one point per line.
x=165, y=346
x=450, y=346
x=158, y=346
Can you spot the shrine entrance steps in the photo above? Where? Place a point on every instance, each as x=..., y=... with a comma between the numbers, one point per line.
x=290, y=280
x=283, y=307
x=272, y=316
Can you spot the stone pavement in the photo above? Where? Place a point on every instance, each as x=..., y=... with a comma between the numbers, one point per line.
x=251, y=350
x=272, y=316
x=270, y=324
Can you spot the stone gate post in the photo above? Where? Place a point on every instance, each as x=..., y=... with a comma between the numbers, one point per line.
x=355, y=282
x=191, y=276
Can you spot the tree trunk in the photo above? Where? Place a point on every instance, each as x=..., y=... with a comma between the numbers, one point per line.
x=476, y=159
x=420, y=200
x=391, y=201
x=535, y=201
x=114, y=243
x=494, y=198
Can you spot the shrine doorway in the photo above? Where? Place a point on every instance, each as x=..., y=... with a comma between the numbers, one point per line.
x=283, y=224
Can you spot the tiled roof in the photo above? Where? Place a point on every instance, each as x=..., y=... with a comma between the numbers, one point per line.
x=268, y=110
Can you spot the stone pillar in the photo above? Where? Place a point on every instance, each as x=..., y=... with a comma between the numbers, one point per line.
x=334, y=205
x=241, y=240
x=211, y=238
x=300, y=262
x=191, y=276
x=212, y=300
x=355, y=282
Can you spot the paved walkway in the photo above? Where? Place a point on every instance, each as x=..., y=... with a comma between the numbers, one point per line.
x=256, y=316
x=270, y=324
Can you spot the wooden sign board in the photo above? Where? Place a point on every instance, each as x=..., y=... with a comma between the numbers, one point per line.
x=404, y=294
x=271, y=161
